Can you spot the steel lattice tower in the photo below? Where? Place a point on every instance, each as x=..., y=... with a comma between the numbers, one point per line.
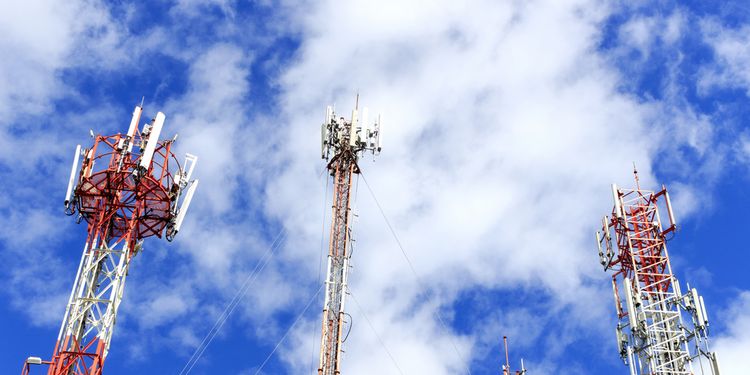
x=660, y=331
x=342, y=143
x=124, y=196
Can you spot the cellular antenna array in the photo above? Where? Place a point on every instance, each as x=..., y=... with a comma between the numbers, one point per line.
x=342, y=143
x=660, y=330
x=124, y=197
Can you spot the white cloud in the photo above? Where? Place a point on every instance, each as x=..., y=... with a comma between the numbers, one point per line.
x=732, y=348
x=644, y=33
x=743, y=147
x=503, y=127
x=639, y=33
x=40, y=40
x=731, y=47
x=41, y=37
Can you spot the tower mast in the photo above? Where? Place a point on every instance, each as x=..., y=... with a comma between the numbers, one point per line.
x=660, y=331
x=506, y=367
x=124, y=196
x=342, y=143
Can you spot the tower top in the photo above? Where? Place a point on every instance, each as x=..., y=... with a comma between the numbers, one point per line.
x=355, y=136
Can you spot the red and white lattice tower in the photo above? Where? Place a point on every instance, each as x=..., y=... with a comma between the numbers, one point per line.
x=129, y=187
x=660, y=331
x=506, y=367
x=342, y=143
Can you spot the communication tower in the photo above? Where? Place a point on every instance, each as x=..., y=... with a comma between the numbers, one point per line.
x=506, y=367
x=660, y=330
x=342, y=143
x=124, y=196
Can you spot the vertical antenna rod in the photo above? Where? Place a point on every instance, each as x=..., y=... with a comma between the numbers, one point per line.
x=124, y=196
x=506, y=366
x=342, y=143
x=660, y=330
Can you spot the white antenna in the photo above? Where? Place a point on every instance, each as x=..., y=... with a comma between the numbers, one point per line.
x=153, y=140
x=618, y=205
x=697, y=306
x=629, y=302
x=73, y=170
x=325, y=133
x=715, y=363
x=618, y=333
x=605, y=228
x=380, y=132
x=669, y=208
x=133, y=125
x=323, y=140
x=329, y=114
x=353, y=129
x=703, y=310
x=184, y=207
x=191, y=160
x=365, y=134
x=356, y=135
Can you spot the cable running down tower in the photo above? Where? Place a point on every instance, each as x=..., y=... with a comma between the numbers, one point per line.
x=660, y=330
x=129, y=187
x=342, y=143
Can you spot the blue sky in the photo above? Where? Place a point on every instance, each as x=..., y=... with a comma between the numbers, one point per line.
x=504, y=124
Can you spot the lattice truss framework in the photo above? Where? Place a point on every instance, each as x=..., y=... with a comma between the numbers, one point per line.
x=124, y=196
x=342, y=142
x=660, y=331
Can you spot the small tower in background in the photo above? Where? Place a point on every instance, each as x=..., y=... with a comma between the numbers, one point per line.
x=506, y=367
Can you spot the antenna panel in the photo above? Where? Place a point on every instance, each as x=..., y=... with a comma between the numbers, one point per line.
x=353, y=129
x=190, y=161
x=703, y=311
x=616, y=198
x=329, y=115
x=365, y=133
x=153, y=140
x=629, y=304
x=133, y=125
x=73, y=171
x=184, y=207
x=669, y=209
x=323, y=140
x=715, y=363
x=379, y=128
x=697, y=305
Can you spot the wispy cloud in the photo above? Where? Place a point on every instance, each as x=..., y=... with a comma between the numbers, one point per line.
x=503, y=125
x=735, y=344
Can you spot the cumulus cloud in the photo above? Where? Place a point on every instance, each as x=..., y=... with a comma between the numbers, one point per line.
x=41, y=39
x=503, y=125
x=732, y=347
x=731, y=48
